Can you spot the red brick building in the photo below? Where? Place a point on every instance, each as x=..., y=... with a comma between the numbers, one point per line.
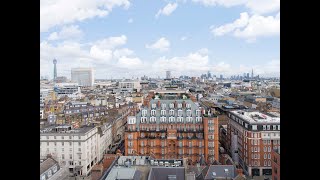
x=276, y=164
x=172, y=127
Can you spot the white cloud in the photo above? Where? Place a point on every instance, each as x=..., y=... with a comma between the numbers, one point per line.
x=104, y=55
x=239, y=23
x=162, y=45
x=60, y=12
x=167, y=10
x=255, y=6
x=197, y=61
x=130, y=63
x=111, y=42
x=67, y=32
x=263, y=6
x=122, y=52
x=130, y=20
x=250, y=28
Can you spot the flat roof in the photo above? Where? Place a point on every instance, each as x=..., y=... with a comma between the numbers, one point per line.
x=52, y=130
x=255, y=117
x=119, y=172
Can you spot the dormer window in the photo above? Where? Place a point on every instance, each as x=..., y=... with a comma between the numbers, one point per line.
x=153, y=112
x=162, y=119
x=143, y=119
x=163, y=112
x=179, y=105
x=144, y=112
x=188, y=105
x=171, y=105
x=163, y=105
x=189, y=119
x=188, y=112
x=171, y=112
x=197, y=112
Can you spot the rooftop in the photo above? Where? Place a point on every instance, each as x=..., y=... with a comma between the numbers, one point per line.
x=256, y=117
x=45, y=165
x=121, y=173
x=65, y=129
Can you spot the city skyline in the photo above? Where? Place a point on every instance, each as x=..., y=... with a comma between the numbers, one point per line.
x=125, y=38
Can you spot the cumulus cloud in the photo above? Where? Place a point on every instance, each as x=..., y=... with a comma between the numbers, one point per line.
x=196, y=61
x=255, y=6
x=67, y=32
x=250, y=27
x=162, y=45
x=167, y=10
x=104, y=55
x=60, y=12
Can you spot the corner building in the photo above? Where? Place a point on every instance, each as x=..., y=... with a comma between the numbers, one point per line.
x=251, y=137
x=173, y=129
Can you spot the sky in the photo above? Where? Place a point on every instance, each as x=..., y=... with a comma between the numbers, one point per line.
x=132, y=38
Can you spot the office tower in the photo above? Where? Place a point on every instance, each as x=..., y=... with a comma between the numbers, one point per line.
x=248, y=75
x=172, y=128
x=168, y=74
x=252, y=74
x=54, y=69
x=209, y=74
x=244, y=75
x=221, y=76
x=251, y=137
x=82, y=76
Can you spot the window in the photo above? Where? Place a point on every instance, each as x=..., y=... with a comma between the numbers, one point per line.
x=70, y=137
x=163, y=105
x=269, y=149
x=171, y=112
x=144, y=112
x=265, y=148
x=279, y=127
x=62, y=137
x=264, y=127
x=79, y=143
x=269, y=163
x=188, y=119
x=198, y=119
x=269, y=156
x=163, y=112
x=143, y=119
x=197, y=112
x=79, y=149
x=162, y=119
x=171, y=119
x=62, y=156
x=188, y=112
x=171, y=105
x=265, y=163
x=70, y=143
x=179, y=119
x=265, y=156
x=55, y=143
x=274, y=127
x=268, y=127
x=200, y=144
x=254, y=127
x=70, y=149
x=47, y=143
x=54, y=137
x=153, y=112
x=179, y=105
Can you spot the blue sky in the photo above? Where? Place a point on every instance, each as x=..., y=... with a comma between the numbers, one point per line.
x=123, y=38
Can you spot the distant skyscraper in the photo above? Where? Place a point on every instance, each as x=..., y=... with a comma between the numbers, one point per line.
x=209, y=74
x=82, y=76
x=221, y=76
x=252, y=74
x=168, y=74
x=54, y=69
x=248, y=75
